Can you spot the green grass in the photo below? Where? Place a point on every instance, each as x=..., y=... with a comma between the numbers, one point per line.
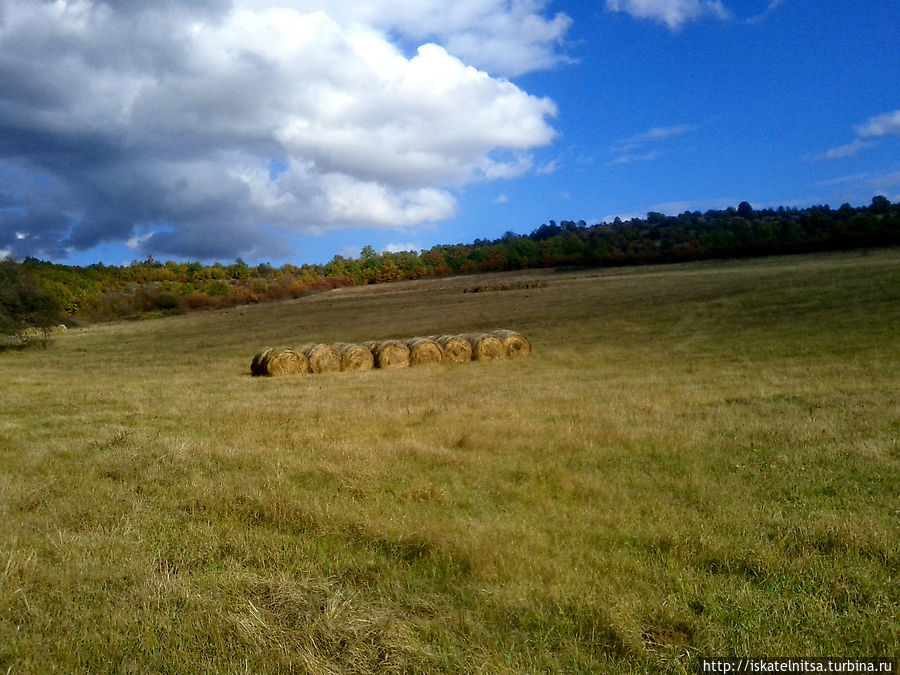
x=697, y=460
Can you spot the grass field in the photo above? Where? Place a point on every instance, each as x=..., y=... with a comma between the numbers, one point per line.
x=697, y=460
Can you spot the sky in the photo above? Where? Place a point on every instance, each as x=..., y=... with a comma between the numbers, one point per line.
x=296, y=130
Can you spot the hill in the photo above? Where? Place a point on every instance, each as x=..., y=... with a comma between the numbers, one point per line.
x=152, y=288
x=698, y=459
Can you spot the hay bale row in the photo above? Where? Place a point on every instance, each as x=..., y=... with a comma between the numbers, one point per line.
x=390, y=354
x=537, y=283
x=498, y=344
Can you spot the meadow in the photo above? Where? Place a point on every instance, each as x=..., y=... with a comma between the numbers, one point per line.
x=699, y=459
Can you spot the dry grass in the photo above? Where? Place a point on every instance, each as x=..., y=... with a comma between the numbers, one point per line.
x=696, y=460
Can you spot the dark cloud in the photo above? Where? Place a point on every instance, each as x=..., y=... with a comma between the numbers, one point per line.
x=157, y=123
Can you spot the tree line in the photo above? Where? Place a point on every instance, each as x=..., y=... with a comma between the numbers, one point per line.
x=37, y=293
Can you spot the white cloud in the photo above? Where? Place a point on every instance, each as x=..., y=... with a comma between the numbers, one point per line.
x=627, y=148
x=673, y=208
x=631, y=158
x=491, y=169
x=506, y=37
x=679, y=207
x=624, y=216
x=854, y=178
x=770, y=8
x=548, y=168
x=374, y=112
x=887, y=124
x=399, y=248
x=673, y=13
x=840, y=151
x=651, y=136
x=501, y=199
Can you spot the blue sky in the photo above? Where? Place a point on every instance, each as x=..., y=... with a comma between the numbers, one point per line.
x=293, y=131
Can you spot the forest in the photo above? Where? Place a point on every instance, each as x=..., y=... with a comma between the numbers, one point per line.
x=39, y=294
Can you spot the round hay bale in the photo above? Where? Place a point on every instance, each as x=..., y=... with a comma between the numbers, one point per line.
x=354, y=357
x=424, y=352
x=515, y=343
x=391, y=354
x=256, y=365
x=284, y=361
x=485, y=347
x=456, y=349
x=322, y=358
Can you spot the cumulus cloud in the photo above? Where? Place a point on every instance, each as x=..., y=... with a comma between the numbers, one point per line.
x=506, y=37
x=201, y=128
x=673, y=13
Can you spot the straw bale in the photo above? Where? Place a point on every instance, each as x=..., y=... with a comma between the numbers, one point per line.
x=424, y=351
x=391, y=354
x=485, y=347
x=354, y=357
x=256, y=365
x=322, y=358
x=283, y=361
x=515, y=343
x=455, y=348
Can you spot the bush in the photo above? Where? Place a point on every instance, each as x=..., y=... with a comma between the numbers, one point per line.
x=26, y=310
x=217, y=288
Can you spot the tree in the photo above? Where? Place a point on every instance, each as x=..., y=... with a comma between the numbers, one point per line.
x=23, y=304
x=881, y=205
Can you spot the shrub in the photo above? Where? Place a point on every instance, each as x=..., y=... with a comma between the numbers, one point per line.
x=26, y=309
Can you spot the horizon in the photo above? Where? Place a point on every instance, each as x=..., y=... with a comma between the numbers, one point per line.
x=294, y=134
x=367, y=250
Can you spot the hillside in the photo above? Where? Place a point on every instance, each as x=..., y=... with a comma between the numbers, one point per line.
x=698, y=459
x=151, y=288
